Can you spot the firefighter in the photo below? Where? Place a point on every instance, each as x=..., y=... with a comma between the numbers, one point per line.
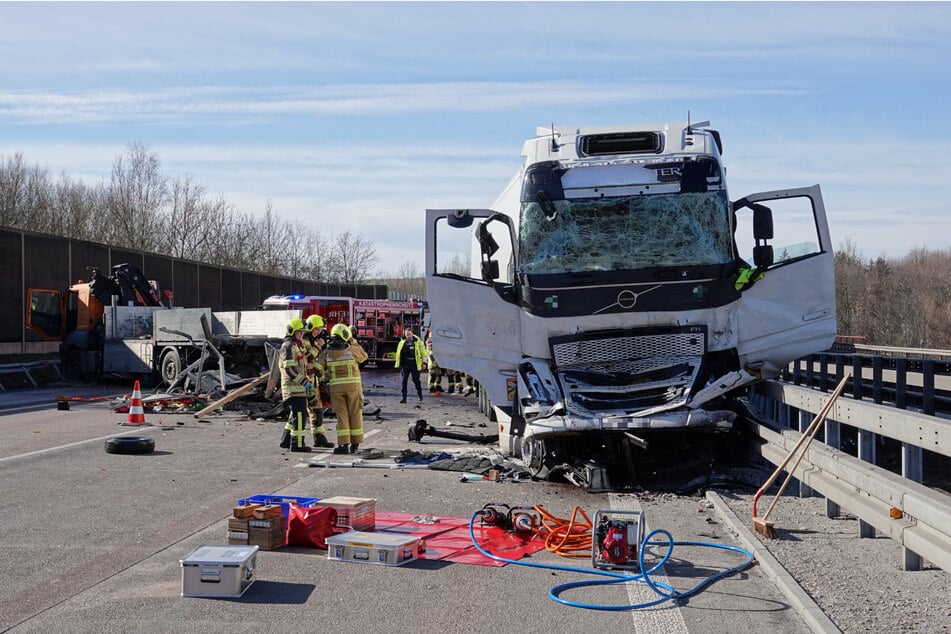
x=435, y=372
x=314, y=340
x=455, y=380
x=340, y=361
x=294, y=385
x=470, y=385
x=409, y=359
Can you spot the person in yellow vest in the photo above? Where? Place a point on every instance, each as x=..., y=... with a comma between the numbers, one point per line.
x=409, y=360
x=340, y=362
x=294, y=385
x=313, y=342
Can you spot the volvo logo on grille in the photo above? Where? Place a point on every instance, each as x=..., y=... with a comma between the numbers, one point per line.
x=626, y=299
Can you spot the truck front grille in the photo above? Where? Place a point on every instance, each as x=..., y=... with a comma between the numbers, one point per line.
x=626, y=373
x=583, y=351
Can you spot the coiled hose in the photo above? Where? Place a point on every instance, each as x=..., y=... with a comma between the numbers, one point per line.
x=573, y=538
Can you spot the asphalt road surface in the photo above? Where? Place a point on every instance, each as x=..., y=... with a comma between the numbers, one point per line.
x=92, y=541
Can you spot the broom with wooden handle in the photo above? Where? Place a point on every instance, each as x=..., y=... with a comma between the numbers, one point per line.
x=760, y=524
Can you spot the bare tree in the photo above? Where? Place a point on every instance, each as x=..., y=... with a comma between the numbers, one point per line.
x=237, y=241
x=13, y=177
x=298, y=249
x=73, y=209
x=408, y=280
x=353, y=259
x=134, y=199
x=849, y=287
x=189, y=223
x=274, y=238
x=318, y=256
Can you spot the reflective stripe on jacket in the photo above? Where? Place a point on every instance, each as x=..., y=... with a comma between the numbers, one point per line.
x=342, y=367
x=293, y=369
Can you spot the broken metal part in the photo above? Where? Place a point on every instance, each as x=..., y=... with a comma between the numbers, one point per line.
x=421, y=428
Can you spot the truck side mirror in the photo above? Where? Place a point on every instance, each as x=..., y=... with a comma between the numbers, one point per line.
x=762, y=231
x=763, y=256
x=490, y=270
x=762, y=222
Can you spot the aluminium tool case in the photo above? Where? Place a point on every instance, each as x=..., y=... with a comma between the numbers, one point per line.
x=218, y=571
x=386, y=549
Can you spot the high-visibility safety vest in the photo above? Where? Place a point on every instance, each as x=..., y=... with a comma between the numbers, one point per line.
x=342, y=366
x=747, y=277
x=293, y=368
x=418, y=352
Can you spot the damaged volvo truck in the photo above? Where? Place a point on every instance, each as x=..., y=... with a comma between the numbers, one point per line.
x=615, y=302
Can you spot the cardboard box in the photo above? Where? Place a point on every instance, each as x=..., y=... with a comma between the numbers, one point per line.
x=219, y=571
x=383, y=549
x=353, y=514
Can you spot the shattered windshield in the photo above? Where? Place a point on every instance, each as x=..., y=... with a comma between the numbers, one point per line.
x=625, y=233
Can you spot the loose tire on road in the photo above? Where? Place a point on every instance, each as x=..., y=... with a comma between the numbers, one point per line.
x=130, y=445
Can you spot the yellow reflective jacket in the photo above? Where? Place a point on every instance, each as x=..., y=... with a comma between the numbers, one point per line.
x=341, y=366
x=293, y=369
x=418, y=351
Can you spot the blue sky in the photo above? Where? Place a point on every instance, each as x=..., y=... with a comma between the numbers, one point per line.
x=358, y=116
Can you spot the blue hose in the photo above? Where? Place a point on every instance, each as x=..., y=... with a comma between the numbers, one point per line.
x=663, y=590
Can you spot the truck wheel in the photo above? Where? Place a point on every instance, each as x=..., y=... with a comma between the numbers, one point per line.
x=536, y=458
x=171, y=366
x=130, y=445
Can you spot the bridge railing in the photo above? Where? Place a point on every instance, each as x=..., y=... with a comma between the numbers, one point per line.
x=895, y=504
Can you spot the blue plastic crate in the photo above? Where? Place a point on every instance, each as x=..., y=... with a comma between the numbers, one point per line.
x=284, y=500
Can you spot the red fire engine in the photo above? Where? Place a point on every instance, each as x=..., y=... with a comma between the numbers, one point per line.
x=378, y=323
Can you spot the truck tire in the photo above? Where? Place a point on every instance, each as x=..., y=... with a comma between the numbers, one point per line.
x=536, y=455
x=130, y=445
x=170, y=366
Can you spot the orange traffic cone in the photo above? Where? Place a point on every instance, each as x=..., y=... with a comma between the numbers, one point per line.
x=136, y=411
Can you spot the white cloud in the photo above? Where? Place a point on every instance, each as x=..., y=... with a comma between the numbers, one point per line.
x=232, y=104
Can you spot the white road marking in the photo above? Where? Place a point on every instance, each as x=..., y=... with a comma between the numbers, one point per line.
x=307, y=463
x=665, y=617
x=39, y=452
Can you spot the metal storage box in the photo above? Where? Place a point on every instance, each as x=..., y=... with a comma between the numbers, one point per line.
x=386, y=549
x=218, y=571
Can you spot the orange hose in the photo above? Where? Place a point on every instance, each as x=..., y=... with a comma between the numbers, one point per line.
x=566, y=537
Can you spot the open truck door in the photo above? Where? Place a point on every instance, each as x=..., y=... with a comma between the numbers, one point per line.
x=47, y=314
x=787, y=304
x=473, y=304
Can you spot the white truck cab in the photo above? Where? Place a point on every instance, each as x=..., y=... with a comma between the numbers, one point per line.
x=618, y=296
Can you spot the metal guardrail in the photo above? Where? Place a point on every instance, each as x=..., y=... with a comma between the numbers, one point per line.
x=26, y=370
x=910, y=353
x=856, y=483
x=905, y=382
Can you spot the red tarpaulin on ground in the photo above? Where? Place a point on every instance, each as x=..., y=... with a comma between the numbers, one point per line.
x=447, y=538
